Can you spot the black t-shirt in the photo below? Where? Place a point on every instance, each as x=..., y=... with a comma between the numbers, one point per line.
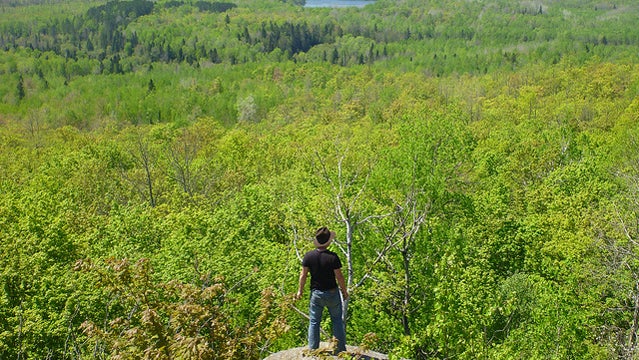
x=322, y=265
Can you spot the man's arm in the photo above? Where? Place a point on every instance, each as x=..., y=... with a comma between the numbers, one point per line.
x=342, y=284
x=303, y=276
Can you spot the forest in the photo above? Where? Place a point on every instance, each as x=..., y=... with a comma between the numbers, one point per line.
x=164, y=165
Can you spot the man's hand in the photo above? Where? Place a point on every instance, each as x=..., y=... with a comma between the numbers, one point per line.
x=342, y=283
x=298, y=295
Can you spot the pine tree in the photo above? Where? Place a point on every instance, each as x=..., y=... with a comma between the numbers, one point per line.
x=20, y=92
x=151, y=87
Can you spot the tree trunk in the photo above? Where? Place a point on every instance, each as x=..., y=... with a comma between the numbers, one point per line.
x=349, y=252
x=632, y=338
x=406, y=299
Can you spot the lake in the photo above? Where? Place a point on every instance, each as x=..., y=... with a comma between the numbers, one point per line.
x=337, y=3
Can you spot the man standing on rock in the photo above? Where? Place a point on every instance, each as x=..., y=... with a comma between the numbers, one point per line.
x=325, y=268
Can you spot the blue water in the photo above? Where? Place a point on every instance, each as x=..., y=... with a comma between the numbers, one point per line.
x=337, y=3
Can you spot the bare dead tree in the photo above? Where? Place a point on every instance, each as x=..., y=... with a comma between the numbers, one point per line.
x=34, y=126
x=344, y=205
x=144, y=160
x=429, y=176
x=182, y=152
x=432, y=171
x=408, y=220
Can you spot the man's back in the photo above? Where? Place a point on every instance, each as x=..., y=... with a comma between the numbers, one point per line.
x=322, y=265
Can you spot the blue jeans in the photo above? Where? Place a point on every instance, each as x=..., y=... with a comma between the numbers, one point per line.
x=333, y=302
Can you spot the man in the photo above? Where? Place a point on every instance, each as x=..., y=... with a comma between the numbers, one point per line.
x=325, y=268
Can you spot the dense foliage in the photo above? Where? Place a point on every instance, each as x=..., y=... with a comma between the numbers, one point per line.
x=164, y=164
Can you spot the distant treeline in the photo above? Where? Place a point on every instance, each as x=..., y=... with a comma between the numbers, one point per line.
x=102, y=34
x=112, y=32
x=203, y=5
x=120, y=12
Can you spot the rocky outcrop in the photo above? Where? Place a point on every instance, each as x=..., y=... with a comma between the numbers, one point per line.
x=324, y=353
